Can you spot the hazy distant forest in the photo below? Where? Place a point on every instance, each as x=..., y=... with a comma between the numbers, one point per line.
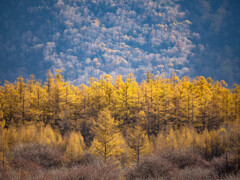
x=113, y=129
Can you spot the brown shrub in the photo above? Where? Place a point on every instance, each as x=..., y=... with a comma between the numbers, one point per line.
x=196, y=173
x=10, y=174
x=96, y=171
x=152, y=167
x=3, y=172
x=87, y=172
x=225, y=164
x=23, y=164
x=233, y=177
x=184, y=158
x=36, y=155
x=87, y=159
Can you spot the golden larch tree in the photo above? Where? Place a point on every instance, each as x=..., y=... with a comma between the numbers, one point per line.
x=75, y=147
x=108, y=142
x=138, y=143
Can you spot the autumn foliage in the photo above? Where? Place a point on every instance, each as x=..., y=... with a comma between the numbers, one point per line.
x=159, y=126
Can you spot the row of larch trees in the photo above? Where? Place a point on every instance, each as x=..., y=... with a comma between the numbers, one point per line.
x=122, y=119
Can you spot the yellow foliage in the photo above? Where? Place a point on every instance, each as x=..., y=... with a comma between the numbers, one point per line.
x=171, y=139
x=28, y=134
x=108, y=142
x=176, y=139
x=48, y=136
x=75, y=145
x=2, y=124
x=11, y=137
x=138, y=143
x=206, y=139
x=1, y=114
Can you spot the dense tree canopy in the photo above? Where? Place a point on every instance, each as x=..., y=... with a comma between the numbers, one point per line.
x=117, y=119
